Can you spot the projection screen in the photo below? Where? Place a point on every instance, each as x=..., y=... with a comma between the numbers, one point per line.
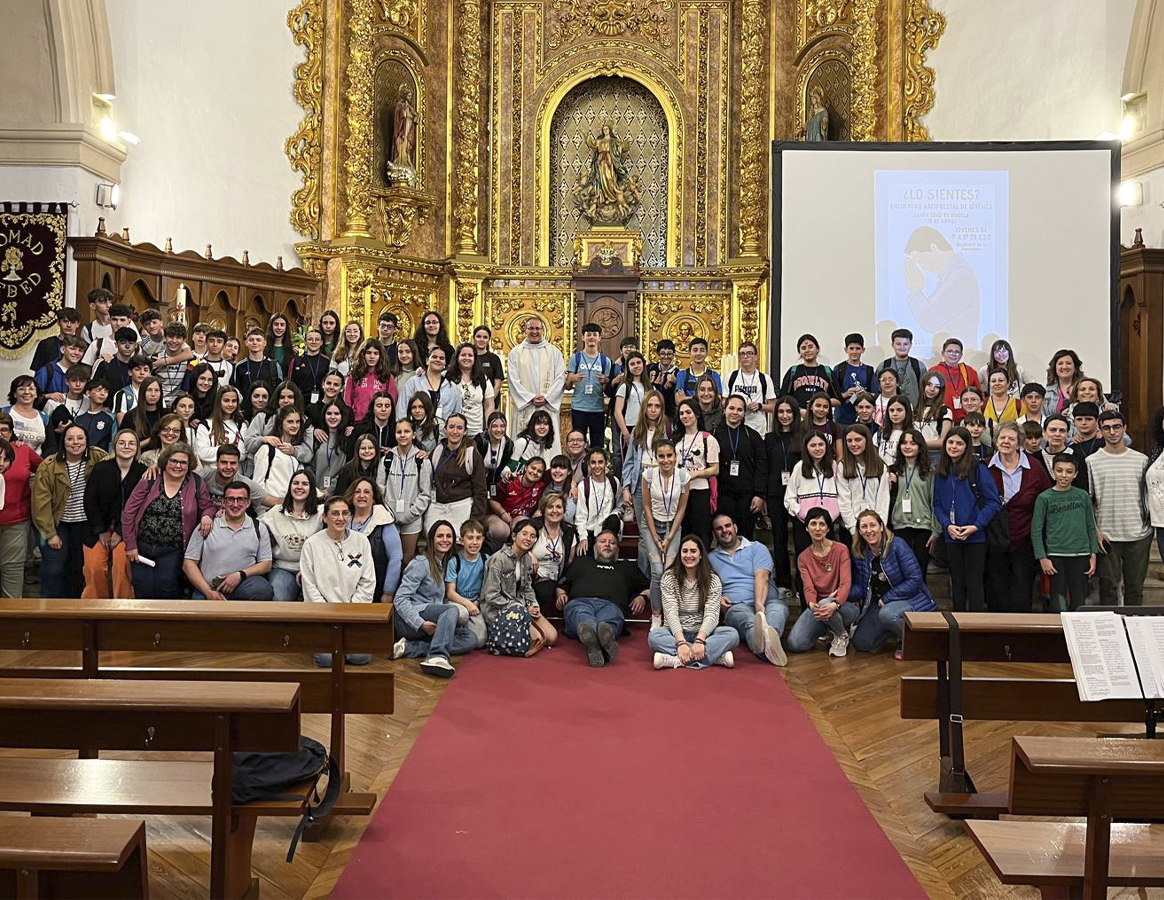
x=976, y=241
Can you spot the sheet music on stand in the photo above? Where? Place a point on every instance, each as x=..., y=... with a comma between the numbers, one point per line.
x=1115, y=657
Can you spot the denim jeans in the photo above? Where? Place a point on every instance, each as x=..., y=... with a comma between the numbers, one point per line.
x=808, y=627
x=323, y=660
x=643, y=558
x=591, y=424
x=877, y=625
x=741, y=616
x=283, y=584
x=449, y=639
x=659, y=562
x=1124, y=559
x=163, y=580
x=62, y=571
x=256, y=587
x=719, y=642
x=594, y=610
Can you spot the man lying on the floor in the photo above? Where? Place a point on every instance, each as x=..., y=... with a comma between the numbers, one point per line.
x=594, y=594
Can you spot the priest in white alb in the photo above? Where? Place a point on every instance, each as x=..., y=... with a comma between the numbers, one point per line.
x=537, y=378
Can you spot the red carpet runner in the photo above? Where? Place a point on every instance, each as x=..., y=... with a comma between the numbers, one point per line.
x=543, y=778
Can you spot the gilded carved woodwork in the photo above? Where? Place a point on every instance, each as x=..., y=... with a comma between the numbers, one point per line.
x=517, y=89
x=831, y=71
x=399, y=211
x=680, y=316
x=577, y=19
x=470, y=72
x=360, y=119
x=864, y=78
x=753, y=131
x=923, y=29
x=304, y=148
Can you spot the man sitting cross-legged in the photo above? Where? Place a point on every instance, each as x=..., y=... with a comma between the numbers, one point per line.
x=752, y=603
x=594, y=594
x=232, y=561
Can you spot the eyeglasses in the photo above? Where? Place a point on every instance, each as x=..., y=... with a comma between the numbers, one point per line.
x=237, y=500
x=181, y=463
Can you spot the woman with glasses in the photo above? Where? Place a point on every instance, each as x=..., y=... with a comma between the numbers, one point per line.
x=158, y=519
x=167, y=430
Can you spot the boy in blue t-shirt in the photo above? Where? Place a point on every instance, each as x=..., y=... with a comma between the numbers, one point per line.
x=685, y=385
x=464, y=576
x=587, y=374
x=98, y=421
x=851, y=379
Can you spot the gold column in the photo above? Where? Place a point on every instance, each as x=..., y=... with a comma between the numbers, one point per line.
x=923, y=29
x=466, y=172
x=360, y=117
x=864, y=70
x=753, y=216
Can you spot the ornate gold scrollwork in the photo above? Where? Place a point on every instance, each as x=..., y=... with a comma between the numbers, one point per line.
x=609, y=18
x=360, y=117
x=468, y=128
x=923, y=29
x=358, y=280
x=753, y=217
x=304, y=148
x=398, y=12
x=824, y=13
x=748, y=304
x=864, y=70
x=400, y=211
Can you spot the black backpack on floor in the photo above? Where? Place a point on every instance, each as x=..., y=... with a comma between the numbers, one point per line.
x=272, y=776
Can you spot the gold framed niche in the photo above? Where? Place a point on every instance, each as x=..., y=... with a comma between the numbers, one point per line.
x=830, y=70
x=394, y=69
x=672, y=111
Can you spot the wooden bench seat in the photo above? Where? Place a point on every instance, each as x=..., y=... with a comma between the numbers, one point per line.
x=72, y=859
x=1054, y=853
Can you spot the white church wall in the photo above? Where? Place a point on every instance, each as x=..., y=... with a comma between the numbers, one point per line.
x=209, y=95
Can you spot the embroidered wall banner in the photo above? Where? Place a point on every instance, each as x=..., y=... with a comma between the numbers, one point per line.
x=32, y=272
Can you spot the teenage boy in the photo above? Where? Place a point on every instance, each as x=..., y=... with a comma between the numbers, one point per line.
x=909, y=370
x=973, y=402
x=1032, y=433
x=685, y=386
x=171, y=368
x=975, y=423
x=52, y=379
x=1032, y=396
x=309, y=369
x=257, y=366
x=225, y=471
x=587, y=375
x=851, y=379
x=664, y=375
x=958, y=375
x=1063, y=535
x=215, y=342
x=153, y=339
x=1123, y=528
x=626, y=346
x=100, y=301
x=104, y=343
x=97, y=420
x=1086, y=439
x=75, y=403
x=464, y=575
x=753, y=385
x=116, y=370
x=126, y=398
x=807, y=377
x=198, y=335
x=49, y=350
x=386, y=327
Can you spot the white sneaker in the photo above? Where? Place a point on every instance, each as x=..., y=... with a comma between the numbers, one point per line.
x=656, y=620
x=398, y=648
x=438, y=666
x=727, y=660
x=759, y=641
x=665, y=661
x=773, y=649
x=839, y=646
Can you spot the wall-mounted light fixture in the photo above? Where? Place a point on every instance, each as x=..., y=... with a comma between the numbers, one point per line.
x=1130, y=193
x=108, y=195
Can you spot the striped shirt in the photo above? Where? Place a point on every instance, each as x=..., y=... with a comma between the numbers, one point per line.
x=1117, y=490
x=682, y=606
x=75, y=505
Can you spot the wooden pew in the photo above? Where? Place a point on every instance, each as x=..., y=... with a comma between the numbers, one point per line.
x=220, y=717
x=1099, y=778
x=91, y=627
x=73, y=859
x=998, y=638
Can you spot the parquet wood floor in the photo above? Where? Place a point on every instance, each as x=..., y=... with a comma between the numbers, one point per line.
x=852, y=702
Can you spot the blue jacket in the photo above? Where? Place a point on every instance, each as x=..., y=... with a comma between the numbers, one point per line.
x=906, y=580
x=950, y=491
x=417, y=590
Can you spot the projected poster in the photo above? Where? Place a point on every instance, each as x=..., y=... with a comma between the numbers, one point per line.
x=942, y=255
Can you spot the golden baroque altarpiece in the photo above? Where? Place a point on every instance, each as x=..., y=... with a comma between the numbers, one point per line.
x=505, y=90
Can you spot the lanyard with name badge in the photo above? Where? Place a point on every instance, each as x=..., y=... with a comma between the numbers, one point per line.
x=734, y=465
x=906, y=501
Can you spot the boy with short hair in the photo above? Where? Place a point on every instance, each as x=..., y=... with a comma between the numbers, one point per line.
x=198, y=335
x=171, y=368
x=1064, y=537
x=104, y=343
x=257, y=366
x=851, y=379
x=97, y=420
x=126, y=398
x=626, y=346
x=587, y=374
x=958, y=376
x=100, y=301
x=685, y=386
x=464, y=575
x=1086, y=439
x=664, y=374
x=386, y=326
x=75, y=403
x=1032, y=433
x=808, y=377
x=975, y=423
x=116, y=370
x=153, y=339
x=49, y=349
x=1032, y=396
x=909, y=370
x=215, y=342
x=753, y=385
x=52, y=379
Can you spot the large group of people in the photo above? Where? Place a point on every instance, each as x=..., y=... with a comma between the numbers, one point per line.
x=147, y=459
